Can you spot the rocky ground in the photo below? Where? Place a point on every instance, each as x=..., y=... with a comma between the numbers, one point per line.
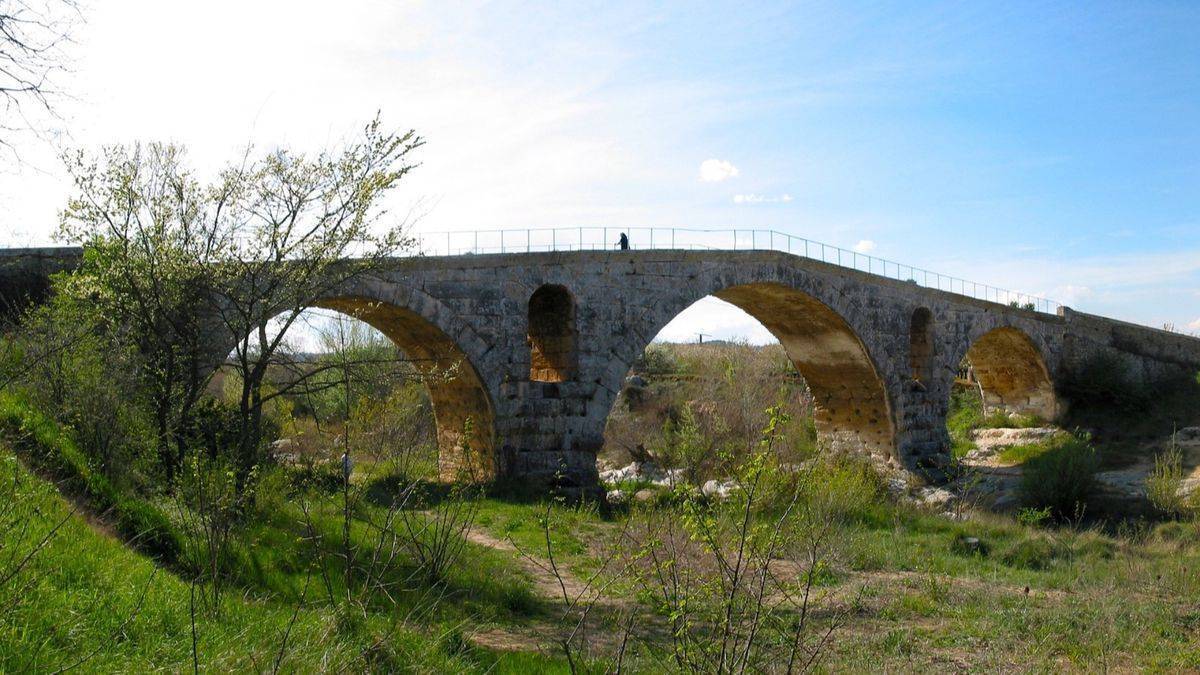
x=992, y=482
x=988, y=481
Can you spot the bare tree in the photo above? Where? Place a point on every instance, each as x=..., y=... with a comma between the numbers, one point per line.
x=32, y=36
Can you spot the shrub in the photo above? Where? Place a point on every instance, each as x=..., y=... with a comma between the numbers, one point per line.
x=1094, y=545
x=685, y=445
x=75, y=373
x=1181, y=532
x=1033, y=517
x=324, y=476
x=656, y=360
x=843, y=488
x=1062, y=478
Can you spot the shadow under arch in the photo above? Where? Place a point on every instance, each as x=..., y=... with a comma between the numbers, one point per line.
x=852, y=409
x=462, y=408
x=1012, y=374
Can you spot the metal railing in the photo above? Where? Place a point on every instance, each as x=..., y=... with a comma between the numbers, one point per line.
x=678, y=238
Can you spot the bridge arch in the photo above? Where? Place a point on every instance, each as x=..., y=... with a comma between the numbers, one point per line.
x=1011, y=373
x=446, y=353
x=852, y=406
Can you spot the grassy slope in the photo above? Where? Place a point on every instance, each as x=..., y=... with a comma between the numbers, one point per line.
x=82, y=596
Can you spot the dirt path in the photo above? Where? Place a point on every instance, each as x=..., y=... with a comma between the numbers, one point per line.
x=545, y=583
x=540, y=635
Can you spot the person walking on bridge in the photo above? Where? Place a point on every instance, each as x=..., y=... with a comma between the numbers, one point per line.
x=623, y=242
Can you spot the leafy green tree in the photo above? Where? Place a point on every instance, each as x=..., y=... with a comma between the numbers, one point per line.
x=146, y=225
x=172, y=261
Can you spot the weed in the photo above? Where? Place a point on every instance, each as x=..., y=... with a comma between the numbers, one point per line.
x=1032, y=552
x=1165, y=480
x=1033, y=517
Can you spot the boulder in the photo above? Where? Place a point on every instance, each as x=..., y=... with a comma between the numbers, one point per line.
x=936, y=497
x=715, y=489
x=636, y=381
x=670, y=478
x=644, y=495
x=634, y=472
x=897, y=486
x=286, y=451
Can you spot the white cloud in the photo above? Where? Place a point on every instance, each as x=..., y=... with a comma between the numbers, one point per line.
x=864, y=246
x=1195, y=325
x=761, y=199
x=1071, y=294
x=716, y=170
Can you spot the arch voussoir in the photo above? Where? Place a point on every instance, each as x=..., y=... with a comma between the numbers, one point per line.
x=430, y=335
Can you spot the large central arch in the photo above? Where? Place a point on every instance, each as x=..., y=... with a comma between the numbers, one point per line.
x=463, y=411
x=852, y=408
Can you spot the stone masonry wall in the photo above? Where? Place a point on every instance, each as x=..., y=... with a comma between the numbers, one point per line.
x=848, y=333
x=1150, y=354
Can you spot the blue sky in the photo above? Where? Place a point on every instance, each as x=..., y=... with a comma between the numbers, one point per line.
x=1053, y=148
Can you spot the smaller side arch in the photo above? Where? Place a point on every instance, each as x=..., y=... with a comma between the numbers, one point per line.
x=463, y=410
x=920, y=345
x=552, y=335
x=1012, y=374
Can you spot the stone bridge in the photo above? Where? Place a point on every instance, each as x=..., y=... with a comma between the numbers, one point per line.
x=528, y=352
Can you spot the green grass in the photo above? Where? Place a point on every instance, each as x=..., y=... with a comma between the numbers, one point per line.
x=922, y=599
x=86, y=594
x=965, y=415
x=1019, y=454
x=89, y=594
